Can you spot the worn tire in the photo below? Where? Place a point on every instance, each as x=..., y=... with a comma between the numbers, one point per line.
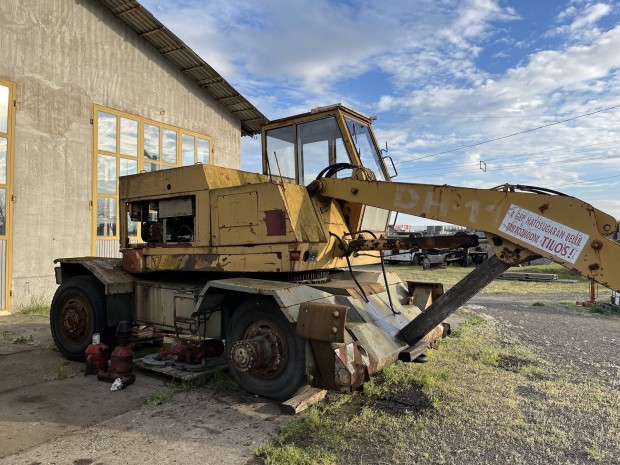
x=78, y=310
x=284, y=384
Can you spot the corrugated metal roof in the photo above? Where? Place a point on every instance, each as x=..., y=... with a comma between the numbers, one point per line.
x=180, y=55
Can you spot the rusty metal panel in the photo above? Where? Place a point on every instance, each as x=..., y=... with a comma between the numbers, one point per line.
x=275, y=221
x=351, y=367
x=322, y=322
x=424, y=242
x=349, y=287
x=382, y=348
x=288, y=295
x=175, y=260
x=107, y=270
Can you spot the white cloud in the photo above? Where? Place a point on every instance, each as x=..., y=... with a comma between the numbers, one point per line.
x=578, y=22
x=288, y=57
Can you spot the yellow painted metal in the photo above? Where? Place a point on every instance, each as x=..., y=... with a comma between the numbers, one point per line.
x=232, y=230
x=486, y=210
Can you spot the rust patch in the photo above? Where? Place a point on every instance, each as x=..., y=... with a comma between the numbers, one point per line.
x=133, y=260
x=322, y=322
x=275, y=220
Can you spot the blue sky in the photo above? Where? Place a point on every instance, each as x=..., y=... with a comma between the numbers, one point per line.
x=440, y=75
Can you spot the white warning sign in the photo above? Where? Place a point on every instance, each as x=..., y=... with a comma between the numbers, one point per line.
x=555, y=238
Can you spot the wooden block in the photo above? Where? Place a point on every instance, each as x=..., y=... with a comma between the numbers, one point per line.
x=303, y=398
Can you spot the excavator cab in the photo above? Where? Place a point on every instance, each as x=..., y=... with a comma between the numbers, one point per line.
x=332, y=141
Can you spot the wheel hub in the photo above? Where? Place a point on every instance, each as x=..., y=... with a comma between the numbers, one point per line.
x=251, y=353
x=262, y=351
x=75, y=320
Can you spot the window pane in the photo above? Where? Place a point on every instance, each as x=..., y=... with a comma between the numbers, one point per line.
x=187, y=149
x=2, y=212
x=148, y=167
x=129, y=137
x=106, y=174
x=3, y=148
x=128, y=167
x=132, y=226
x=281, y=152
x=169, y=143
x=106, y=131
x=106, y=217
x=204, y=151
x=366, y=147
x=151, y=142
x=4, y=109
x=320, y=144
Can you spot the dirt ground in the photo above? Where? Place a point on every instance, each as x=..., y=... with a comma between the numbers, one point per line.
x=51, y=414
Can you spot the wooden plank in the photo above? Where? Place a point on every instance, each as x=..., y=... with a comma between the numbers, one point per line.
x=456, y=296
x=305, y=397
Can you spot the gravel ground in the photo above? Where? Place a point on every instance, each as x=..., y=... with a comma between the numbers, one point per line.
x=586, y=344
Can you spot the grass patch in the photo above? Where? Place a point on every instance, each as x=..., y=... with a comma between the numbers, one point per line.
x=481, y=390
x=24, y=340
x=223, y=382
x=188, y=386
x=451, y=275
x=602, y=310
x=307, y=440
x=162, y=397
x=538, y=303
x=62, y=371
x=598, y=308
x=159, y=398
x=5, y=335
x=36, y=306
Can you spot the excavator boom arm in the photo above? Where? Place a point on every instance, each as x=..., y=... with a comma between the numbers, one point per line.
x=519, y=224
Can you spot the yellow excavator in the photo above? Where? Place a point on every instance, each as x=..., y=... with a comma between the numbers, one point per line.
x=276, y=265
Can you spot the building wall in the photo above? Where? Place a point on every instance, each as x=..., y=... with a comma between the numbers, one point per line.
x=65, y=56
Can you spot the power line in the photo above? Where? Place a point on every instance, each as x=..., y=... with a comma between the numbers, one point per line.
x=587, y=181
x=511, y=135
x=416, y=116
x=498, y=168
x=532, y=156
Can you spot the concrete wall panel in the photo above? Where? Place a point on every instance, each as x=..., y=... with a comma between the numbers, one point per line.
x=65, y=56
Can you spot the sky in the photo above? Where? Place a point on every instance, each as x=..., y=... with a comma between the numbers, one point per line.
x=472, y=93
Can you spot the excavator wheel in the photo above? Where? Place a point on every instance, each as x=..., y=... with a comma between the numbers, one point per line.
x=78, y=310
x=265, y=354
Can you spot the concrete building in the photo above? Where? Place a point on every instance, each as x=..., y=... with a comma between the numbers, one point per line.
x=90, y=90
